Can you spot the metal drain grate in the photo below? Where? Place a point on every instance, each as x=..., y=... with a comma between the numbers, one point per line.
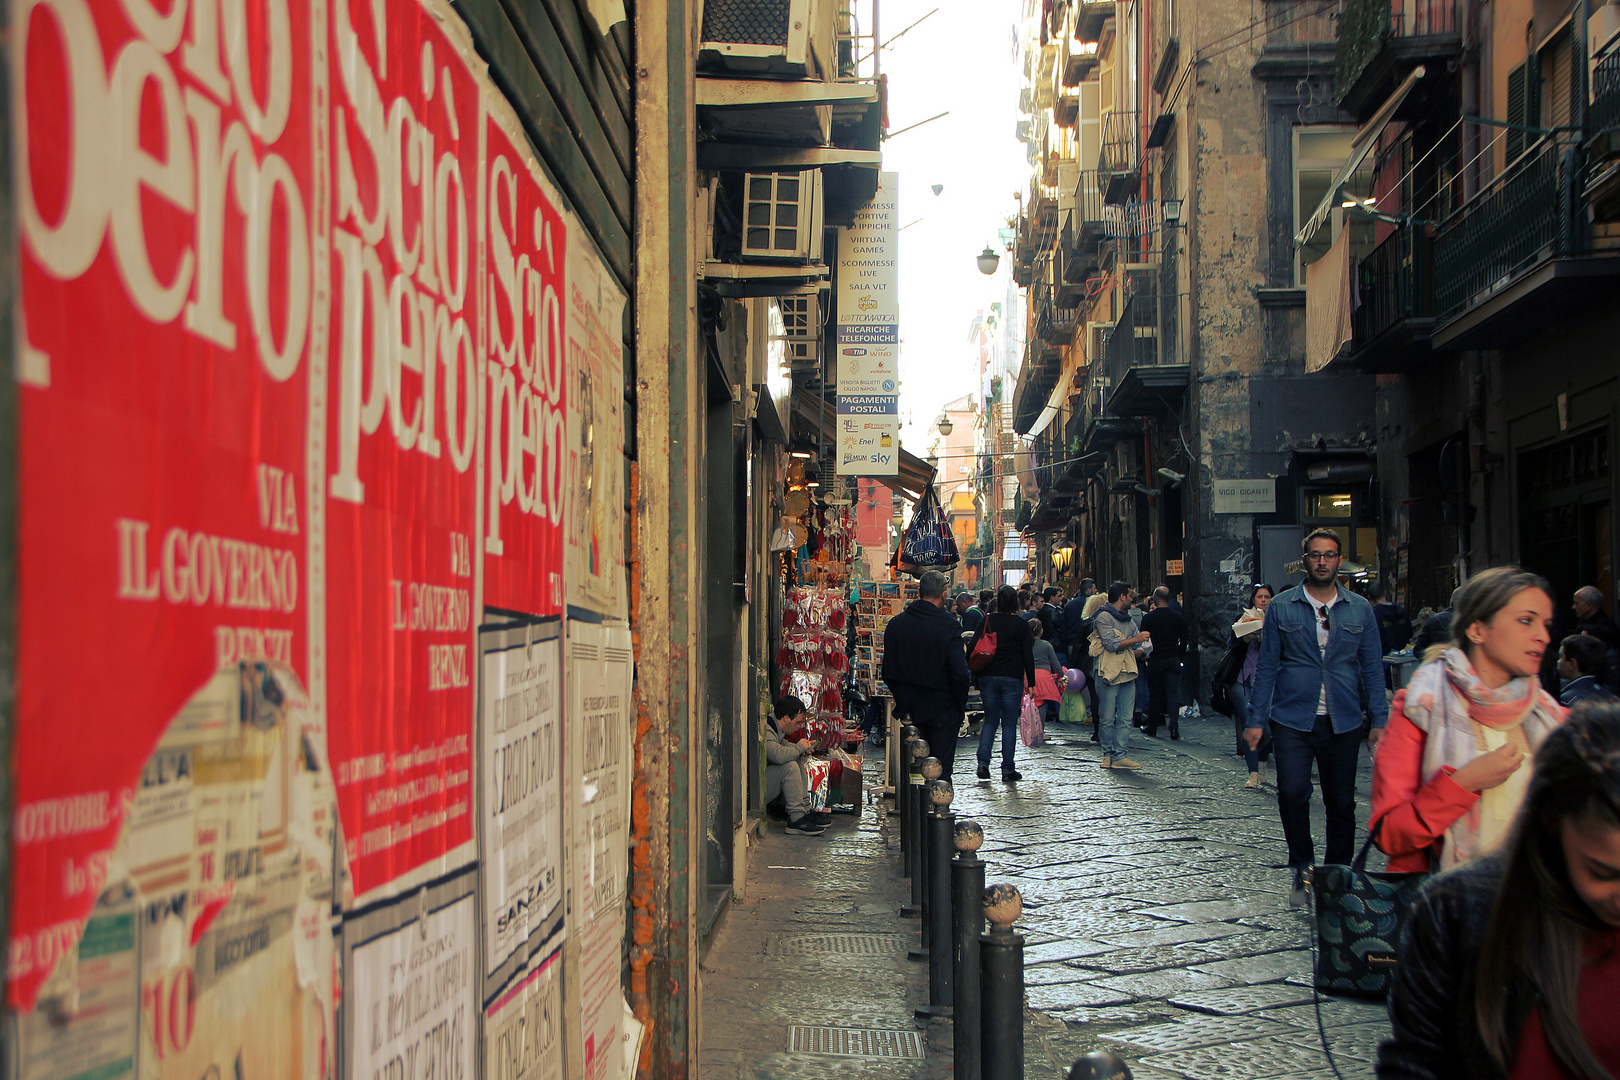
x=854, y=1042
x=843, y=945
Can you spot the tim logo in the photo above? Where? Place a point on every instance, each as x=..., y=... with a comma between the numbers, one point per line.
x=854, y=352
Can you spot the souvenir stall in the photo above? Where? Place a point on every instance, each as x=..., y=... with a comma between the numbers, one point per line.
x=813, y=659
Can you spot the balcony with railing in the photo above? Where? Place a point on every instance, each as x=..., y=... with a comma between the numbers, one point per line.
x=1394, y=314
x=1380, y=41
x=1603, y=177
x=1143, y=363
x=1518, y=255
x=1089, y=18
x=1118, y=170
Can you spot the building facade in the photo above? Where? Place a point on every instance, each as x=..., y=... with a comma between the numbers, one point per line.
x=1177, y=436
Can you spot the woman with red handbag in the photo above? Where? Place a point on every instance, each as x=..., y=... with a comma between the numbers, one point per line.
x=1002, y=680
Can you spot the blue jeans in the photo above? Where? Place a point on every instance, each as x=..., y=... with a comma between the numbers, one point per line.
x=1003, y=700
x=1334, y=754
x=1115, y=703
x=1252, y=758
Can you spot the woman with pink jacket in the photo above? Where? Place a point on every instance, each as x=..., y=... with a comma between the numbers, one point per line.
x=1453, y=766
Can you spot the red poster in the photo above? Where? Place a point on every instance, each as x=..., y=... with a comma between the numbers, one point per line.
x=402, y=448
x=166, y=197
x=527, y=369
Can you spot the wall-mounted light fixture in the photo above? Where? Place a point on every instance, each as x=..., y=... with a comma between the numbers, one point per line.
x=1172, y=211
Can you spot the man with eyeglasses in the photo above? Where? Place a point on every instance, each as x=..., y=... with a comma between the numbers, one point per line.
x=1320, y=665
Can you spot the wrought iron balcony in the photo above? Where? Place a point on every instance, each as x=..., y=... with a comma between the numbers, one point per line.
x=1143, y=364
x=1518, y=254
x=1606, y=93
x=1381, y=40
x=1395, y=310
x=1117, y=165
x=1513, y=223
x=1603, y=177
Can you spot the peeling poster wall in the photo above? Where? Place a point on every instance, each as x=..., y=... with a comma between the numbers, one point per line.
x=321, y=440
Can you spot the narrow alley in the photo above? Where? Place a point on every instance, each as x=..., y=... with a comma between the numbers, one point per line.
x=1156, y=925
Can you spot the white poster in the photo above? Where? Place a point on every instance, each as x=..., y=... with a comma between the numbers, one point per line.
x=598, y=750
x=869, y=337
x=523, y=1031
x=412, y=992
x=595, y=566
x=520, y=737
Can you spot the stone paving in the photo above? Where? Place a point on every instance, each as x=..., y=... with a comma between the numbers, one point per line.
x=1156, y=920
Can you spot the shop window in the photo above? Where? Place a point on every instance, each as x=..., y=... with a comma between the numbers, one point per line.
x=1344, y=513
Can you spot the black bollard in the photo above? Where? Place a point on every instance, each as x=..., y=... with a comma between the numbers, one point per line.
x=902, y=802
x=967, y=918
x=913, y=826
x=930, y=769
x=906, y=802
x=1001, y=987
x=942, y=826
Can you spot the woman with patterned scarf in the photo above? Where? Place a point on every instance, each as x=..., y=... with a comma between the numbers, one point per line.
x=1453, y=767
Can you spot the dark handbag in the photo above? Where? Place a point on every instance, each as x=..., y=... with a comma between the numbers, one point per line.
x=1220, y=699
x=1231, y=665
x=1359, y=917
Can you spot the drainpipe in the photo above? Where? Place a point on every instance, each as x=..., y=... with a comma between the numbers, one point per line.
x=1575, y=160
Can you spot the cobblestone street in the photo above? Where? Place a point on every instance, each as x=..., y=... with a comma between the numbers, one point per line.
x=1156, y=919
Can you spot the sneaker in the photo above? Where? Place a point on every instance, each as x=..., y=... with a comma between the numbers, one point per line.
x=820, y=817
x=1254, y=781
x=983, y=772
x=1296, y=895
x=807, y=826
x=1008, y=776
x=1125, y=763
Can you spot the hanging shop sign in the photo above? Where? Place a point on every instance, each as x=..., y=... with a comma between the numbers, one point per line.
x=318, y=375
x=869, y=337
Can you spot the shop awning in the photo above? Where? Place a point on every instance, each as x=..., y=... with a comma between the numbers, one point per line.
x=1360, y=147
x=815, y=415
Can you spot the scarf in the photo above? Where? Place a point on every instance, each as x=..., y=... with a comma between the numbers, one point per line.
x=1451, y=706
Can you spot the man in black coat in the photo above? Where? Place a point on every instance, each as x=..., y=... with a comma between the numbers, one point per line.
x=926, y=669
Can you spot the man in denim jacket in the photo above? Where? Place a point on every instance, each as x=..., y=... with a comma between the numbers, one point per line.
x=1320, y=665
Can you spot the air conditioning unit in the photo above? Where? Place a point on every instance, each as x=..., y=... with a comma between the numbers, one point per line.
x=758, y=35
x=801, y=321
x=782, y=215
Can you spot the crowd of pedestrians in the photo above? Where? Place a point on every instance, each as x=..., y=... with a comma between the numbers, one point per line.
x=1496, y=770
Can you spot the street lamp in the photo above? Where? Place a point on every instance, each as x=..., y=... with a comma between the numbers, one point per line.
x=945, y=425
x=988, y=261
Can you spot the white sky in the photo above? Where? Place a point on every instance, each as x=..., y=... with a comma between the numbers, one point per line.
x=961, y=60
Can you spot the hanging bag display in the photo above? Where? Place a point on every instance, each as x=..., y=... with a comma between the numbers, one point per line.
x=928, y=542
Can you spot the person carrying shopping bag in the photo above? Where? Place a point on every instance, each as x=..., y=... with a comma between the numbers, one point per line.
x=1047, y=689
x=1002, y=682
x=1113, y=644
x=1247, y=630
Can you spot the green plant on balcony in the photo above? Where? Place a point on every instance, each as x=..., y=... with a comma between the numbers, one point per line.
x=1362, y=28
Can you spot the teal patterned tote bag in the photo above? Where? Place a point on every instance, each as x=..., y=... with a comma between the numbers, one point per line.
x=1359, y=917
